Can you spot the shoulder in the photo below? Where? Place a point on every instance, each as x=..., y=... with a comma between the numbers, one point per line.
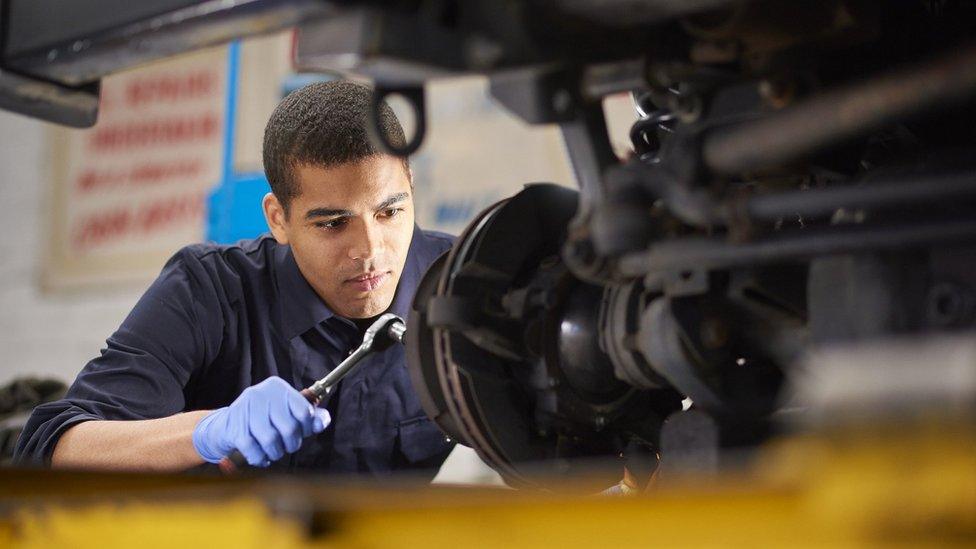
x=250, y=253
x=211, y=251
x=210, y=266
x=437, y=241
x=427, y=246
x=206, y=277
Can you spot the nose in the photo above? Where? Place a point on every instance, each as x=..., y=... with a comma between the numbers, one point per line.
x=367, y=242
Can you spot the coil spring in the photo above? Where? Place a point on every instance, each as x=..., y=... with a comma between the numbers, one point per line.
x=644, y=133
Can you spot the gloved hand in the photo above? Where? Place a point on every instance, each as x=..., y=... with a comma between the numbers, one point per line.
x=266, y=421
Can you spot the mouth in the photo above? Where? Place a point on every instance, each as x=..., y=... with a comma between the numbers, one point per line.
x=368, y=282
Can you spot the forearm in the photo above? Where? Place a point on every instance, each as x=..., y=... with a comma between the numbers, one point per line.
x=164, y=444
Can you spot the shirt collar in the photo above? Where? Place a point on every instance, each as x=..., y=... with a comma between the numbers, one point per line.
x=413, y=269
x=302, y=309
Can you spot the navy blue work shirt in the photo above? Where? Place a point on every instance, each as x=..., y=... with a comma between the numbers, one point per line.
x=222, y=318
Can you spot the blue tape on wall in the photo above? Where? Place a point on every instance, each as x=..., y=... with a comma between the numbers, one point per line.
x=234, y=206
x=235, y=209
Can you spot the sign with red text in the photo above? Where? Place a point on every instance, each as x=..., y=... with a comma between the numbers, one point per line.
x=130, y=191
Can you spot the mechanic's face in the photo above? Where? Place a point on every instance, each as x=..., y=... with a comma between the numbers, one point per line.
x=349, y=229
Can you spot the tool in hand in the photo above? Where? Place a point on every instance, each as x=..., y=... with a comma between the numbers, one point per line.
x=387, y=330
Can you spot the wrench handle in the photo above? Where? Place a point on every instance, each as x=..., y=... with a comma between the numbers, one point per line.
x=389, y=326
x=311, y=397
x=231, y=464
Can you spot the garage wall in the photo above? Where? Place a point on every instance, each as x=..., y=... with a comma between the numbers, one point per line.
x=44, y=335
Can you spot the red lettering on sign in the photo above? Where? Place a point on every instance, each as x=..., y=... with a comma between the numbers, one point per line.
x=166, y=212
x=152, y=173
x=150, y=133
x=141, y=175
x=104, y=227
x=91, y=180
x=169, y=88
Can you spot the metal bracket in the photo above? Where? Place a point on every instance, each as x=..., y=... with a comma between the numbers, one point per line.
x=75, y=107
x=414, y=95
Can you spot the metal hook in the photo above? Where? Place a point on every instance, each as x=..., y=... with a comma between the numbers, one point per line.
x=415, y=96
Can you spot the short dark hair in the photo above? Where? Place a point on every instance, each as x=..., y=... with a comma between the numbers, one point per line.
x=322, y=124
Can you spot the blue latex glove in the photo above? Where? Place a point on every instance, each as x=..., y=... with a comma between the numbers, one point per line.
x=266, y=421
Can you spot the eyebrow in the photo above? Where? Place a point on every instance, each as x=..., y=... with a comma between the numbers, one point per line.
x=392, y=199
x=334, y=212
x=327, y=212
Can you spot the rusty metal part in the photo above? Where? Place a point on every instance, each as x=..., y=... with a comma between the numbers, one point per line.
x=908, y=191
x=506, y=356
x=764, y=26
x=623, y=13
x=713, y=253
x=840, y=115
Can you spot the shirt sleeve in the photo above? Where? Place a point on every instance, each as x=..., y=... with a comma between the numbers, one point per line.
x=174, y=329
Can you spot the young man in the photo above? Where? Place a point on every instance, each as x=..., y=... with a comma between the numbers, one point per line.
x=212, y=357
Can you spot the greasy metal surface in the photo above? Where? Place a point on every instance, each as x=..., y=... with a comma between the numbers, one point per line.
x=634, y=12
x=507, y=360
x=86, y=58
x=420, y=354
x=906, y=192
x=835, y=116
x=33, y=24
x=75, y=107
x=467, y=383
x=703, y=252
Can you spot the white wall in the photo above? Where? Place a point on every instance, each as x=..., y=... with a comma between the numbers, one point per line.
x=42, y=335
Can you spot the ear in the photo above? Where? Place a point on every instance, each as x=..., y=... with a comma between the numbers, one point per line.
x=274, y=213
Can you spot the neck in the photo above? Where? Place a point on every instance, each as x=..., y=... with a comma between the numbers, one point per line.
x=363, y=323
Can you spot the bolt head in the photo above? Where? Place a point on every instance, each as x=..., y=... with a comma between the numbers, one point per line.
x=562, y=101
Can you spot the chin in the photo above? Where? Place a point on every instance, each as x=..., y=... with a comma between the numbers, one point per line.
x=371, y=308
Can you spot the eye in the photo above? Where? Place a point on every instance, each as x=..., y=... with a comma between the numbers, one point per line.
x=334, y=224
x=391, y=212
